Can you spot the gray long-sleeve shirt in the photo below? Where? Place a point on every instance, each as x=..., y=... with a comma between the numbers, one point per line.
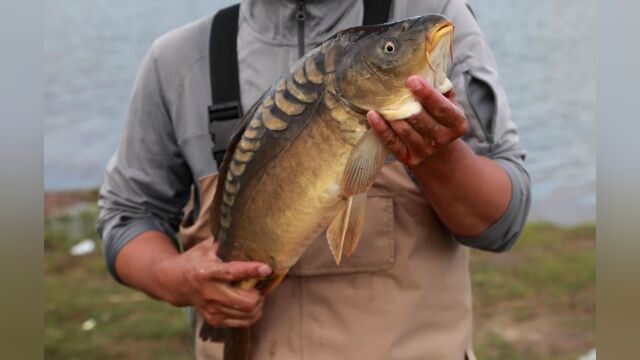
x=166, y=146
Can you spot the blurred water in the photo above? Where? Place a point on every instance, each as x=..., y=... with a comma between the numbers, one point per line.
x=544, y=49
x=92, y=51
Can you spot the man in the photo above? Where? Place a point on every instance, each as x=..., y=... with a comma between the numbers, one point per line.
x=405, y=293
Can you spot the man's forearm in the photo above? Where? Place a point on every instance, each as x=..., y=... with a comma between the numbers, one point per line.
x=139, y=264
x=468, y=192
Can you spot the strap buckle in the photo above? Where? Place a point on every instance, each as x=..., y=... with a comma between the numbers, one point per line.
x=222, y=121
x=225, y=111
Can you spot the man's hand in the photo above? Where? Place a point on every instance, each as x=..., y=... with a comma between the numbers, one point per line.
x=202, y=280
x=151, y=263
x=432, y=130
x=467, y=191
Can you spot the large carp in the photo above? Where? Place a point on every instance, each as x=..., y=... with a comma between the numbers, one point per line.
x=303, y=157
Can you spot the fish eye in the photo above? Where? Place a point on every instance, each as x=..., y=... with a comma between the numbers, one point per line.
x=389, y=47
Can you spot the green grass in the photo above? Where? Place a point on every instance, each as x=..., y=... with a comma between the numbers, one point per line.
x=536, y=301
x=128, y=324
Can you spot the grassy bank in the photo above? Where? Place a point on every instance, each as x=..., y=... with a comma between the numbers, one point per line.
x=535, y=302
x=79, y=291
x=538, y=300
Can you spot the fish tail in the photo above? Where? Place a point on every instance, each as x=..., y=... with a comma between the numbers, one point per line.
x=211, y=333
x=236, y=345
x=236, y=340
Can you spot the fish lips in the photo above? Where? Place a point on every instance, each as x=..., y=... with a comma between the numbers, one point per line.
x=438, y=51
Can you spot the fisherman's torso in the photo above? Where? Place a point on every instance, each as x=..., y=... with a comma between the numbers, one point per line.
x=405, y=292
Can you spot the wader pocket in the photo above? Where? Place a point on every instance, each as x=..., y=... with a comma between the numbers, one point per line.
x=375, y=251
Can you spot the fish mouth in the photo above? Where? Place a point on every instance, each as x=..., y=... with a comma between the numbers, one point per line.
x=438, y=50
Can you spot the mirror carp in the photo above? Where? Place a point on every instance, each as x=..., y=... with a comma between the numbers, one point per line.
x=303, y=157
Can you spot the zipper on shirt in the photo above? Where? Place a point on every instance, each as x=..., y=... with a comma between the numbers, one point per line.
x=300, y=16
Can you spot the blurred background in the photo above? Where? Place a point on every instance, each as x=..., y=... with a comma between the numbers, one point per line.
x=537, y=301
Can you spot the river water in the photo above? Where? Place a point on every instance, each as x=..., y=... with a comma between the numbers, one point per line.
x=544, y=49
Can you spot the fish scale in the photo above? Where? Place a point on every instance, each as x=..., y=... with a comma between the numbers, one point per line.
x=279, y=106
x=301, y=93
x=288, y=105
x=291, y=99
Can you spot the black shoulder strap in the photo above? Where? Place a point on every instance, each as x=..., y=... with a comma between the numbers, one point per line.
x=223, y=69
x=223, y=64
x=376, y=12
x=225, y=84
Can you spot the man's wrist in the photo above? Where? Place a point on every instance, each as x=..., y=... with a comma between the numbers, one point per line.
x=445, y=161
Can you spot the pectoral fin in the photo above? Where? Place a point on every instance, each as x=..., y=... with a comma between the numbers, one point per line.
x=344, y=232
x=364, y=164
x=354, y=223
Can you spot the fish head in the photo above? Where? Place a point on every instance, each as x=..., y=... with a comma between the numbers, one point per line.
x=377, y=60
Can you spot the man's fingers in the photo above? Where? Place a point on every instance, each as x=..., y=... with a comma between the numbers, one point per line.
x=238, y=270
x=221, y=314
x=406, y=132
x=221, y=320
x=431, y=131
x=411, y=138
x=439, y=106
x=236, y=323
x=244, y=300
x=434, y=133
x=425, y=92
x=236, y=313
x=386, y=134
x=422, y=123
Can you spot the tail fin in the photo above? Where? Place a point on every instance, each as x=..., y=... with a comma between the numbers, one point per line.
x=236, y=345
x=236, y=340
x=210, y=333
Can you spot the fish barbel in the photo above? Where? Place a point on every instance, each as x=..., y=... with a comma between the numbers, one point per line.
x=303, y=157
